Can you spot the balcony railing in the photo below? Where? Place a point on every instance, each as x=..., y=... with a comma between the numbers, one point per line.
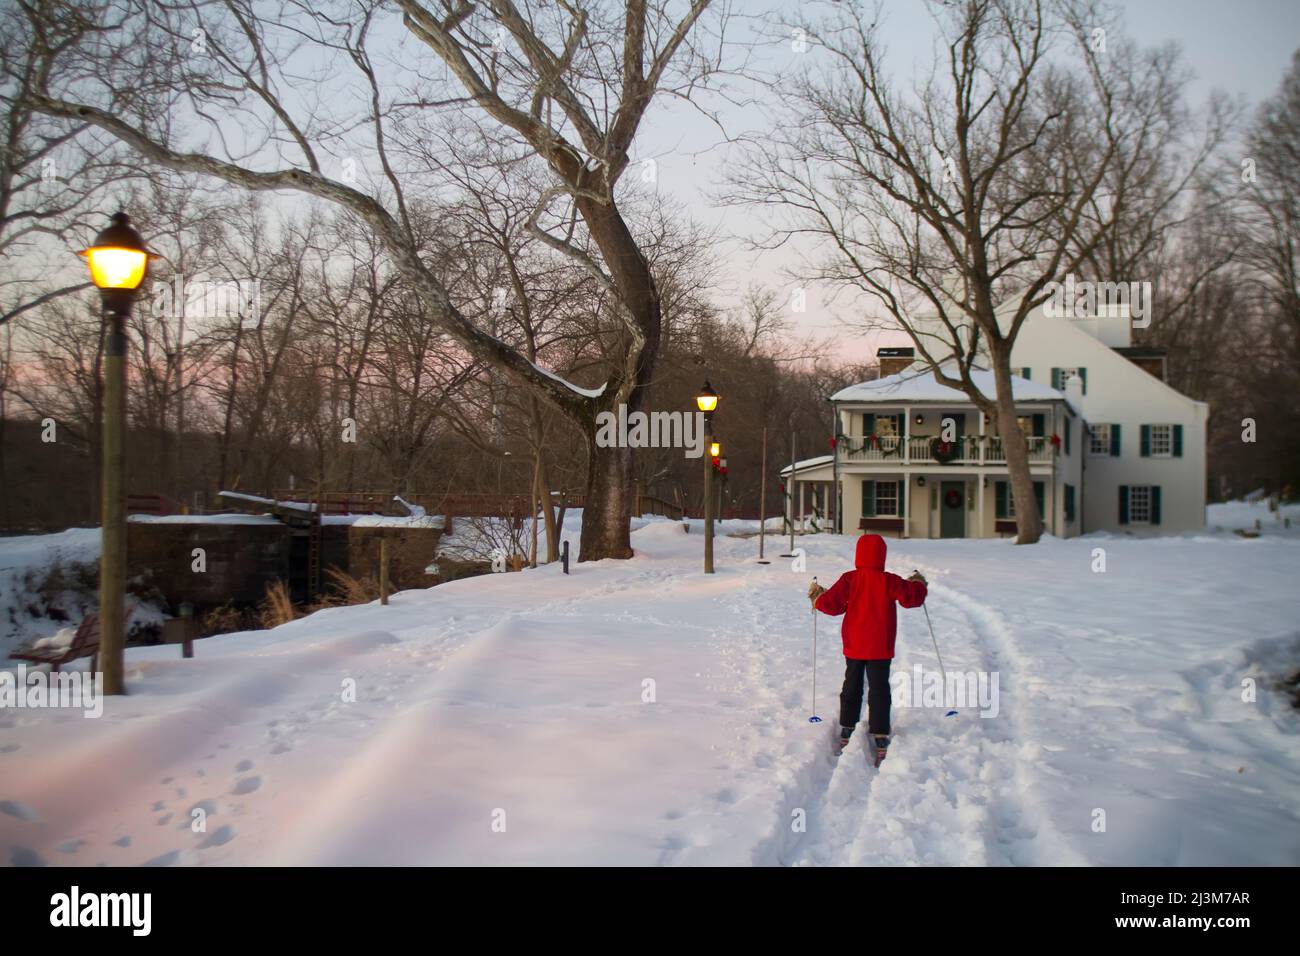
x=967, y=450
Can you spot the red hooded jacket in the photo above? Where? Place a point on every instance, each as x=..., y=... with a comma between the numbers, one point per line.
x=868, y=594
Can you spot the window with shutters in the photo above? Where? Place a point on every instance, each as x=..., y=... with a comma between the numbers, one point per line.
x=1098, y=441
x=887, y=498
x=887, y=426
x=1062, y=375
x=1139, y=504
x=1031, y=425
x=1162, y=441
x=1006, y=500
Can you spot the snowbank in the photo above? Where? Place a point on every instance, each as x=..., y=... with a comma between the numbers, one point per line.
x=23, y=563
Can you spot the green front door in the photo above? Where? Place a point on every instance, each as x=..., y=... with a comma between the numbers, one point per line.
x=952, y=509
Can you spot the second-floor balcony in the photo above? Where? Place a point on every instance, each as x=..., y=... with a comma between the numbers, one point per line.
x=965, y=450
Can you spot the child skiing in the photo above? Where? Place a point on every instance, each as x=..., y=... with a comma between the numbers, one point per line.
x=866, y=596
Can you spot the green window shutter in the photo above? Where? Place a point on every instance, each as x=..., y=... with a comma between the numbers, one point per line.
x=900, y=423
x=1178, y=441
x=1038, y=495
x=1068, y=429
x=1123, y=504
x=1056, y=379
x=1000, y=495
x=1114, y=441
x=868, y=424
x=1144, y=446
x=1040, y=422
x=1069, y=503
x=868, y=499
x=1155, y=504
x=1025, y=373
x=1083, y=374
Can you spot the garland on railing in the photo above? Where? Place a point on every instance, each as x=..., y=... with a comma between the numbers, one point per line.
x=869, y=442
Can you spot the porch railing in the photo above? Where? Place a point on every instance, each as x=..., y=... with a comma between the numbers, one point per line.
x=969, y=450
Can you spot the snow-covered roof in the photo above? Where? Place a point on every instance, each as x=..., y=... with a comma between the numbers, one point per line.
x=920, y=385
x=808, y=463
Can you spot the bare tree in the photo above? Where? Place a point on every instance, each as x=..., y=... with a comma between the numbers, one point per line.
x=953, y=207
x=568, y=83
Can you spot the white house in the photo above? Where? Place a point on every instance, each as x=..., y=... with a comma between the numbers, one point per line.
x=915, y=458
x=1145, y=467
x=1112, y=446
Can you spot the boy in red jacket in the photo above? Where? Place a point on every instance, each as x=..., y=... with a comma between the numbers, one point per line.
x=866, y=597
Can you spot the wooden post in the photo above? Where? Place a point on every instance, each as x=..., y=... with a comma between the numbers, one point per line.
x=187, y=643
x=383, y=568
x=762, y=501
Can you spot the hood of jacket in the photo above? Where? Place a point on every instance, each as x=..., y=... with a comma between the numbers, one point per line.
x=870, y=553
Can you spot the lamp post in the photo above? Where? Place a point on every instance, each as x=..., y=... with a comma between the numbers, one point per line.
x=118, y=261
x=707, y=401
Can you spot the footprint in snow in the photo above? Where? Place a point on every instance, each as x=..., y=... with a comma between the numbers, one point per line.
x=220, y=837
x=70, y=846
x=281, y=748
x=122, y=841
x=15, y=809
x=167, y=859
x=246, y=785
x=243, y=766
x=25, y=856
x=10, y=748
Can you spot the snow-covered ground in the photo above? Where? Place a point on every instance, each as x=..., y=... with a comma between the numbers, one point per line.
x=509, y=719
x=24, y=560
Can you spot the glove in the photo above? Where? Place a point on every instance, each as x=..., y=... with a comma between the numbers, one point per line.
x=815, y=591
x=918, y=576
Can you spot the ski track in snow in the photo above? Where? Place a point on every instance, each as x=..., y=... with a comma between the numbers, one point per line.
x=952, y=790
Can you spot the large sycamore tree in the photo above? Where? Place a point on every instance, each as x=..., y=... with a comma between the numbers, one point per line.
x=333, y=99
x=951, y=200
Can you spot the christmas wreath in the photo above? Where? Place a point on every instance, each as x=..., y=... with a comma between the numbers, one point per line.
x=944, y=451
x=953, y=498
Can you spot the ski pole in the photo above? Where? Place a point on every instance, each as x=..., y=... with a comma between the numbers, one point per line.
x=942, y=670
x=814, y=719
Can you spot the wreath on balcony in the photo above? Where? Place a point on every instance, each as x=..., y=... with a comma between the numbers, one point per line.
x=944, y=451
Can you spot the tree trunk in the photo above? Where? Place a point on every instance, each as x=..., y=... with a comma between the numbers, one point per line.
x=548, y=511
x=536, y=495
x=607, y=515
x=1029, y=523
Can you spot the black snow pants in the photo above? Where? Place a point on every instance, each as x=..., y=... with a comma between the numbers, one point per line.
x=878, y=695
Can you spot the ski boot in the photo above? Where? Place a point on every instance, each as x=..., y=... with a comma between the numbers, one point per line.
x=882, y=745
x=840, y=740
